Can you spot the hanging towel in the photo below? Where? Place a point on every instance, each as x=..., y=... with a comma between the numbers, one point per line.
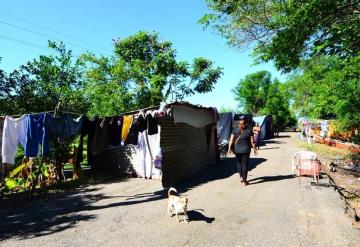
x=127, y=122
x=35, y=136
x=14, y=132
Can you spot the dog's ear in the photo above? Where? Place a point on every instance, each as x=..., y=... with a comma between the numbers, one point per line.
x=186, y=199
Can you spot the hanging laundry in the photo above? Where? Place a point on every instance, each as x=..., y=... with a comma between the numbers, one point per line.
x=13, y=134
x=152, y=124
x=140, y=150
x=2, y=119
x=141, y=123
x=35, y=135
x=100, y=141
x=62, y=127
x=88, y=128
x=114, y=130
x=132, y=137
x=148, y=155
x=127, y=122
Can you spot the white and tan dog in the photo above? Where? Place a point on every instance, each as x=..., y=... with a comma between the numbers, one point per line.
x=177, y=204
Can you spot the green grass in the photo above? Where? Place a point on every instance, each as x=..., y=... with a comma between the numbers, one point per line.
x=322, y=149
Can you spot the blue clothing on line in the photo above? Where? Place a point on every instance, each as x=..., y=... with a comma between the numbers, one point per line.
x=35, y=136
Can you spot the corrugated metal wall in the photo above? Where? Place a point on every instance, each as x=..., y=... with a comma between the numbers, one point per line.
x=185, y=150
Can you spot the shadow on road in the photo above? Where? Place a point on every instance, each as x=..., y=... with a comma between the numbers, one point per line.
x=269, y=179
x=269, y=148
x=52, y=213
x=195, y=215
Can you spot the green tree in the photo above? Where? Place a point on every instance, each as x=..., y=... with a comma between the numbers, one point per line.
x=143, y=71
x=251, y=92
x=328, y=88
x=277, y=104
x=42, y=83
x=287, y=31
x=259, y=95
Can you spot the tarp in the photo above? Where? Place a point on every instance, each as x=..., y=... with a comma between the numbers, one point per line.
x=224, y=126
x=265, y=126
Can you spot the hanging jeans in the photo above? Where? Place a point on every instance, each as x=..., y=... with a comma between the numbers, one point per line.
x=242, y=161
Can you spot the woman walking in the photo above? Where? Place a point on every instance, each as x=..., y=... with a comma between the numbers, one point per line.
x=242, y=139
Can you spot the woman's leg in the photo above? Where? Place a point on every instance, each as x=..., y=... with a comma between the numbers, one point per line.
x=245, y=166
x=239, y=166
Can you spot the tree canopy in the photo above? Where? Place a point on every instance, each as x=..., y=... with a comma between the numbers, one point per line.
x=42, y=83
x=286, y=31
x=144, y=71
x=258, y=94
x=328, y=88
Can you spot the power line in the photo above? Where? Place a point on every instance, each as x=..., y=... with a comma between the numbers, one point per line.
x=49, y=29
x=24, y=42
x=28, y=43
x=40, y=34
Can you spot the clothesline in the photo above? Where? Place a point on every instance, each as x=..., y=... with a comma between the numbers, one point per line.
x=19, y=115
x=80, y=114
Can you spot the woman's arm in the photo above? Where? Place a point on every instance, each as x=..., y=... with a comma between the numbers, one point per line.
x=230, y=142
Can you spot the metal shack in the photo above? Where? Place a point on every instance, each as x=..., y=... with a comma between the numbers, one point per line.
x=188, y=142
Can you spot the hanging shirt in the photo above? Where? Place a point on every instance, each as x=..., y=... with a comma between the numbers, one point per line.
x=61, y=127
x=100, y=140
x=152, y=124
x=114, y=130
x=35, y=135
x=13, y=134
x=127, y=122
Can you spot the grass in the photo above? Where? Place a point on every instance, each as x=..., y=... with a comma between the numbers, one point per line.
x=323, y=150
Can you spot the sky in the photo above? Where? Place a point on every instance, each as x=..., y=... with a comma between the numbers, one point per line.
x=26, y=25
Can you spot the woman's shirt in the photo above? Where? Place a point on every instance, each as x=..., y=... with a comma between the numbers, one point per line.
x=242, y=140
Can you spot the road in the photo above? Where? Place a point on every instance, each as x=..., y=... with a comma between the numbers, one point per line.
x=274, y=210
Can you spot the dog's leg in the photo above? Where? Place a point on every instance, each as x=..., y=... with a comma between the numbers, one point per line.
x=169, y=210
x=186, y=217
x=177, y=217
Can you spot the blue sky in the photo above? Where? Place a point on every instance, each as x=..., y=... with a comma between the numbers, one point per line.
x=91, y=25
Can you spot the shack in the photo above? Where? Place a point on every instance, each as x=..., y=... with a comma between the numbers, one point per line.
x=188, y=144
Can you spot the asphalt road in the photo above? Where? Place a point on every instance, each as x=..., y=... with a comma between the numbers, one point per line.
x=274, y=210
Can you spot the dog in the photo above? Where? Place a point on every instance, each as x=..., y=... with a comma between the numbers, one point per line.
x=177, y=204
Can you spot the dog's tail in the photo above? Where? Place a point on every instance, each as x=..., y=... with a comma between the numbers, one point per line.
x=172, y=189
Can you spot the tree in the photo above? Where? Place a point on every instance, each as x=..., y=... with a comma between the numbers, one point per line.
x=142, y=72
x=287, y=31
x=251, y=92
x=259, y=95
x=42, y=83
x=328, y=88
x=277, y=104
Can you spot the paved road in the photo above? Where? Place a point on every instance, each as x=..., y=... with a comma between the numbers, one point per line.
x=273, y=211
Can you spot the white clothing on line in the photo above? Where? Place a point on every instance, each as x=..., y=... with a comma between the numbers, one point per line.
x=14, y=133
